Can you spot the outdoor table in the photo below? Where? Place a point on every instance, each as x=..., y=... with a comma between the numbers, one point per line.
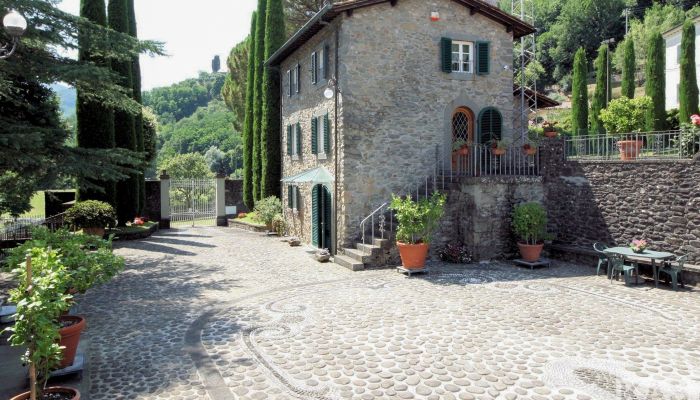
x=646, y=254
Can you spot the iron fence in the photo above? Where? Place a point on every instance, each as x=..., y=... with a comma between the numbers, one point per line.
x=642, y=146
x=193, y=202
x=19, y=228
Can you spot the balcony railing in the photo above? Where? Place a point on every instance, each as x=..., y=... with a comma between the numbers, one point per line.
x=644, y=146
x=482, y=160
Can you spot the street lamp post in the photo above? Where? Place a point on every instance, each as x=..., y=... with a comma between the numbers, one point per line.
x=15, y=25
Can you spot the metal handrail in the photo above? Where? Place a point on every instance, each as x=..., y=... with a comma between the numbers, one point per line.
x=634, y=146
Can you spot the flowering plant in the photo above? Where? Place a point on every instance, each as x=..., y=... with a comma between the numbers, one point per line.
x=689, y=137
x=695, y=119
x=639, y=245
x=138, y=221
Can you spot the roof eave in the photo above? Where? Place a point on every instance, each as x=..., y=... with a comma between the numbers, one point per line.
x=317, y=18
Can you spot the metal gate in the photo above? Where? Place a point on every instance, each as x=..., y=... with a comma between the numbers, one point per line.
x=193, y=202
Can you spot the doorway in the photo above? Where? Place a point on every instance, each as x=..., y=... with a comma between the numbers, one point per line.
x=321, y=217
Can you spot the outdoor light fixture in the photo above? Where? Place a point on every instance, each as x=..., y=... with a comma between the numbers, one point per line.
x=15, y=25
x=330, y=90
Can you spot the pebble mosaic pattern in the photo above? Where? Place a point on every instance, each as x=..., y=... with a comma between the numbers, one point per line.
x=281, y=326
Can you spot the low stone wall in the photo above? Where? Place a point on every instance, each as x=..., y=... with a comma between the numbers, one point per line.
x=615, y=202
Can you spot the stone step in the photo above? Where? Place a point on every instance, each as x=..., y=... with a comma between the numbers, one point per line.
x=383, y=243
x=358, y=255
x=349, y=263
x=369, y=248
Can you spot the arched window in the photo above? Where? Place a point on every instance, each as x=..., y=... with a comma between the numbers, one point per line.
x=490, y=125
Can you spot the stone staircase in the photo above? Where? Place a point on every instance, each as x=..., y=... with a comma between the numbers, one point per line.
x=367, y=256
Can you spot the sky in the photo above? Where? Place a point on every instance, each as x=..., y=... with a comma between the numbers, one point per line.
x=193, y=33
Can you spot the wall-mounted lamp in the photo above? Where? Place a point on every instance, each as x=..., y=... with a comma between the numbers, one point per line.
x=15, y=26
x=330, y=90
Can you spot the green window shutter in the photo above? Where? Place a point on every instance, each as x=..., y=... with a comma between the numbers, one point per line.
x=446, y=54
x=490, y=125
x=483, y=58
x=289, y=140
x=326, y=219
x=314, y=67
x=298, y=78
x=314, y=216
x=314, y=135
x=289, y=82
x=299, y=139
x=326, y=135
x=290, y=196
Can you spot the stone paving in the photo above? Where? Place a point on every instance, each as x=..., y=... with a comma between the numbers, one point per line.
x=225, y=314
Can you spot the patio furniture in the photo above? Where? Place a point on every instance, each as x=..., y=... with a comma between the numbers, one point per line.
x=674, y=271
x=602, y=257
x=650, y=255
x=617, y=264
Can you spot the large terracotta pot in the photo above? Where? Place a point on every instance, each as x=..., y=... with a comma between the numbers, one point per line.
x=57, y=389
x=413, y=256
x=70, y=337
x=94, y=231
x=551, y=134
x=530, y=252
x=629, y=149
x=531, y=151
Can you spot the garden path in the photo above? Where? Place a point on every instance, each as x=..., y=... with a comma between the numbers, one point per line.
x=216, y=313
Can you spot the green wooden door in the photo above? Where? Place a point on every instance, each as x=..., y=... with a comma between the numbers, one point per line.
x=321, y=217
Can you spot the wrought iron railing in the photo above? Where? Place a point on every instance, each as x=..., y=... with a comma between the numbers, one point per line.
x=20, y=228
x=643, y=146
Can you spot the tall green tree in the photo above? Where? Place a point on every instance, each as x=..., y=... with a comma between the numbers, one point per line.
x=138, y=118
x=258, y=97
x=95, y=122
x=234, y=90
x=688, y=97
x=248, y=138
x=602, y=93
x=270, y=137
x=216, y=64
x=124, y=122
x=579, y=96
x=629, y=68
x=656, y=82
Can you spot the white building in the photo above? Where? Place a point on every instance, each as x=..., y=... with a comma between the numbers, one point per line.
x=673, y=57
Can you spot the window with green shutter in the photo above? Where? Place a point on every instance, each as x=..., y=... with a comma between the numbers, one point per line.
x=314, y=135
x=326, y=134
x=490, y=125
x=289, y=83
x=446, y=54
x=314, y=68
x=483, y=61
x=315, y=234
x=298, y=139
x=290, y=196
x=325, y=62
x=289, y=140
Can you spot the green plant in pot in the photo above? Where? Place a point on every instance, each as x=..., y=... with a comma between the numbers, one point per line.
x=530, y=224
x=40, y=298
x=267, y=210
x=625, y=118
x=91, y=216
x=417, y=221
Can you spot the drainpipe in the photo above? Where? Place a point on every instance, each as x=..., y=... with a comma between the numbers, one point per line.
x=335, y=138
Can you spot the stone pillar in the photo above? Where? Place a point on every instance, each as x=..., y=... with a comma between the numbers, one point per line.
x=164, y=200
x=221, y=219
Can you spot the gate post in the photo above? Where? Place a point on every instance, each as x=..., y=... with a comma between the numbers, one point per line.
x=164, y=200
x=221, y=219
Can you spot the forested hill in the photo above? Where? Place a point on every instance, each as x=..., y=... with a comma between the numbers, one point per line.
x=175, y=102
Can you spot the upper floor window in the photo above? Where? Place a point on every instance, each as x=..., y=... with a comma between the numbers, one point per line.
x=462, y=57
x=293, y=80
x=314, y=68
x=294, y=140
x=319, y=65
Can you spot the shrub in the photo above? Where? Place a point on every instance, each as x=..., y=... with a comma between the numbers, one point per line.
x=91, y=214
x=626, y=115
x=267, y=209
x=530, y=222
x=279, y=225
x=417, y=220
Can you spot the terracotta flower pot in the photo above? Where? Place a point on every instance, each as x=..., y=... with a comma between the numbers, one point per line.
x=413, y=256
x=498, y=152
x=530, y=252
x=551, y=134
x=70, y=337
x=531, y=151
x=94, y=231
x=629, y=149
x=56, y=389
x=463, y=151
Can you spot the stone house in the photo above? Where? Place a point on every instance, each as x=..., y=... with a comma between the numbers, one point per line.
x=672, y=39
x=373, y=89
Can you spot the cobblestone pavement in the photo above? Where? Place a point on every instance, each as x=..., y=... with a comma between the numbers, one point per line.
x=225, y=314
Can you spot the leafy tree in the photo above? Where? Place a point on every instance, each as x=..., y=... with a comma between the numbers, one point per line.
x=248, y=137
x=187, y=166
x=628, y=70
x=270, y=135
x=688, y=99
x=138, y=118
x=95, y=122
x=234, y=90
x=258, y=97
x=215, y=64
x=181, y=100
x=298, y=12
x=216, y=159
x=602, y=90
x=579, y=97
x=625, y=115
x=656, y=82
x=150, y=130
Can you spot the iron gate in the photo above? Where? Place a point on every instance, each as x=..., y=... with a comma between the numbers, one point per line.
x=193, y=202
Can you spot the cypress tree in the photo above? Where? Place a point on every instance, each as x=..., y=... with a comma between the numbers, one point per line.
x=271, y=120
x=95, y=122
x=579, y=96
x=138, y=118
x=688, y=97
x=656, y=82
x=628, y=69
x=602, y=90
x=248, y=197
x=258, y=96
x=125, y=131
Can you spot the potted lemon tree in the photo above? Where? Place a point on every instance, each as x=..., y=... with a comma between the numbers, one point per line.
x=530, y=224
x=417, y=222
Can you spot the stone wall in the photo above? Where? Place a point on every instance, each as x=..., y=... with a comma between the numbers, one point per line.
x=234, y=195
x=615, y=202
x=152, y=206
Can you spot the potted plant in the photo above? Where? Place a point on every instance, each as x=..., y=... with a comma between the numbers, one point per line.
x=498, y=147
x=461, y=147
x=40, y=299
x=417, y=221
x=549, y=129
x=626, y=118
x=639, y=245
x=91, y=216
x=529, y=149
x=530, y=224
x=267, y=209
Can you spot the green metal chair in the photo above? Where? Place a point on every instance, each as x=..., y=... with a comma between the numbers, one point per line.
x=617, y=266
x=602, y=257
x=675, y=271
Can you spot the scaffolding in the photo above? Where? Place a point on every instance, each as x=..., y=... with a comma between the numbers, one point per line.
x=526, y=52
